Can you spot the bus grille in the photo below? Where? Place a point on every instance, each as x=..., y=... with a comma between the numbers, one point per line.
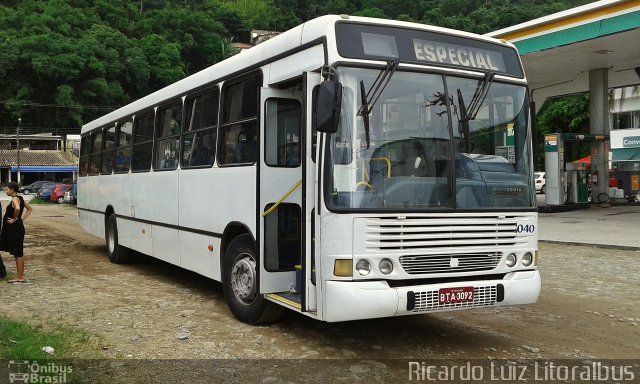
x=460, y=262
x=428, y=301
x=431, y=232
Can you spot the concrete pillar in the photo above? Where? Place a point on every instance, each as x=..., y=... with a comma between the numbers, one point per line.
x=599, y=125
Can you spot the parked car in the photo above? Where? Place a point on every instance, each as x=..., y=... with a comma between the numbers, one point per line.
x=57, y=195
x=45, y=191
x=540, y=182
x=71, y=196
x=33, y=187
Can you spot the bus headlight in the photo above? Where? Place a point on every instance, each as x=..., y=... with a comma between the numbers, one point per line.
x=363, y=267
x=510, y=260
x=385, y=266
x=527, y=259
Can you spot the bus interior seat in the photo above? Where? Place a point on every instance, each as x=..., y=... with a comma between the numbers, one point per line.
x=246, y=147
x=412, y=160
x=407, y=158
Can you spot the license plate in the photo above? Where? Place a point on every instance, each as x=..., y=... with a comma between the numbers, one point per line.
x=455, y=295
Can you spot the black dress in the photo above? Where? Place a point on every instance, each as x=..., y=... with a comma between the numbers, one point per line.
x=12, y=235
x=3, y=269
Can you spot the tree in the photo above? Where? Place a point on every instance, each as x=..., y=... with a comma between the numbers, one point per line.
x=257, y=14
x=197, y=35
x=372, y=12
x=569, y=114
x=66, y=62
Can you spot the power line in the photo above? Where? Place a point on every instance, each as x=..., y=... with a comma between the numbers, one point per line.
x=34, y=104
x=36, y=130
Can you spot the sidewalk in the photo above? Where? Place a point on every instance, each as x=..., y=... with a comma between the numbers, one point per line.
x=4, y=197
x=599, y=225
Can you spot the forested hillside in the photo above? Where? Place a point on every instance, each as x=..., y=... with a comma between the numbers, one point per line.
x=66, y=62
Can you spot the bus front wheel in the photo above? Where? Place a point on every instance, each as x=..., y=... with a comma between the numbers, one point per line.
x=240, y=284
x=116, y=252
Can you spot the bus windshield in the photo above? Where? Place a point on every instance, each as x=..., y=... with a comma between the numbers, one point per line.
x=433, y=142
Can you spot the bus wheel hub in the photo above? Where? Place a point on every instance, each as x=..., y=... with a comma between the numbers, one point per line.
x=243, y=280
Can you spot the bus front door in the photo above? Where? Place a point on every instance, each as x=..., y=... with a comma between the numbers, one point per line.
x=280, y=177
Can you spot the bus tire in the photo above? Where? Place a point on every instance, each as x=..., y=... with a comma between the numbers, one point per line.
x=116, y=252
x=240, y=284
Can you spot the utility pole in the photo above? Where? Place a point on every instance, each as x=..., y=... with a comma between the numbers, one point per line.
x=18, y=146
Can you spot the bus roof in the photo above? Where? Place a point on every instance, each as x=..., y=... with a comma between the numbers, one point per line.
x=305, y=33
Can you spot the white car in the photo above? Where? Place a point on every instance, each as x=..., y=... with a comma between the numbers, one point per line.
x=540, y=182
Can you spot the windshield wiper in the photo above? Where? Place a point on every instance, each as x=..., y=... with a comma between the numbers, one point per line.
x=470, y=113
x=480, y=94
x=373, y=94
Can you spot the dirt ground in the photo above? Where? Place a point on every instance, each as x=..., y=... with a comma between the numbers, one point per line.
x=152, y=310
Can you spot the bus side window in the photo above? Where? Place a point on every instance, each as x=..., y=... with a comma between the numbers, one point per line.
x=142, y=142
x=282, y=238
x=107, y=155
x=96, y=153
x=167, y=146
x=201, y=123
x=84, y=155
x=239, y=119
x=123, y=147
x=282, y=131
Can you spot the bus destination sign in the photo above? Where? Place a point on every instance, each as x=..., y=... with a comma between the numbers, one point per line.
x=458, y=55
x=377, y=42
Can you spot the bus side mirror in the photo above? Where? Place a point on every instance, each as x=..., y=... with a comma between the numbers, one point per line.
x=534, y=132
x=328, y=106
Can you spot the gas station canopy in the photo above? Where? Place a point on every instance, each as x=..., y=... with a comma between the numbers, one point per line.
x=591, y=48
x=558, y=51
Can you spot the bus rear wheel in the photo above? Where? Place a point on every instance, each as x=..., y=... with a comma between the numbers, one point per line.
x=116, y=252
x=240, y=284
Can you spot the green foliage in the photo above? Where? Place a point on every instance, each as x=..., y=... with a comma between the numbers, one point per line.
x=257, y=14
x=565, y=114
x=372, y=12
x=66, y=62
x=19, y=341
x=36, y=200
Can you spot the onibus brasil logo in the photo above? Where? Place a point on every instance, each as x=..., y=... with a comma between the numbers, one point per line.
x=24, y=371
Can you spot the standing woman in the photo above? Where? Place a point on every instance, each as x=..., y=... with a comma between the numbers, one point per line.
x=12, y=235
x=3, y=270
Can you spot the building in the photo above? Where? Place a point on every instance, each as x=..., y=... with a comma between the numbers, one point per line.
x=625, y=136
x=40, y=157
x=624, y=106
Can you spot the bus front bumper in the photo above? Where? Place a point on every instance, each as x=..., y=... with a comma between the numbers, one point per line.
x=354, y=300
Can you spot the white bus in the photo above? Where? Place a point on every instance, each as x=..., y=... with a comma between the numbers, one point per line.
x=349, y=168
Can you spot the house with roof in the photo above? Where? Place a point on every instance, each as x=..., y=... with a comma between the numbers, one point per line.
x=38, y=157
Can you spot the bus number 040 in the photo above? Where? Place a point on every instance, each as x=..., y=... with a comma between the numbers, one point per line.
x=528, y=228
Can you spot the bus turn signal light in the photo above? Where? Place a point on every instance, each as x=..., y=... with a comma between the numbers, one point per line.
x=343, y=268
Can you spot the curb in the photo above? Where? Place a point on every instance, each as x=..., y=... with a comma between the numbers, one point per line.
x=594, y=245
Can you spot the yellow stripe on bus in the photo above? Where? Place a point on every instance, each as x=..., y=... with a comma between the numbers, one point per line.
x=284, y=301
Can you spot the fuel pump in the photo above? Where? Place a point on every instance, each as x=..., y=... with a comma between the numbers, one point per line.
x=577, y=184
x=569, y=182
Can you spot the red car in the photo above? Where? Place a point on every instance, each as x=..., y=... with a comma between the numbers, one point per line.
x=58, y=193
